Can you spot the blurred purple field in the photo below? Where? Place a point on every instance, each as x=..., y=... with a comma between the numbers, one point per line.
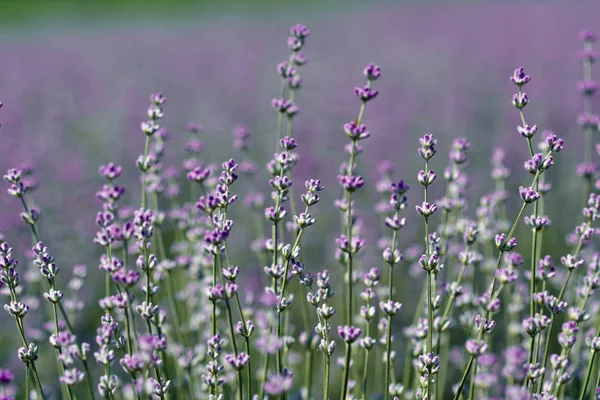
x=73, y=95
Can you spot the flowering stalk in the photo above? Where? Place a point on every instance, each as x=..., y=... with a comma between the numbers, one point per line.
x=594, y=344
x=428, y=261
x=535, y=165
x=49, y=269
x=224, y=225
x=392, y=256
x=355, y=131
x=28, y=353
x=290, y=79
x=292, y=253
x=150, y=127
x=451, y=204
x=319, y=300
x=505, y=242
x=348, y=334
x=572, y=261
x=371, y=280
x=588, y=120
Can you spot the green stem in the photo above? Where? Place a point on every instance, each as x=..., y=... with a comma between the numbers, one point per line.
x=346, y=371
x=37, y=381
x=308, y=372
x=27, y=389
x=146, y=149
x=264, y=377
x=472, y=388
x=588, y=375
x=464, y=378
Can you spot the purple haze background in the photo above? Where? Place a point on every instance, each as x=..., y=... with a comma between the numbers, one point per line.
x=74, y=96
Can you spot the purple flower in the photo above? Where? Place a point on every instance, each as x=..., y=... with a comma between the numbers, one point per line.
x=365, y=93
x=426, y=209
x=553, y=143
x=198, y=175
x=299, y=31
x=520, y=100
x=349, y=334
x=278, y=384
x=372, y=72
x=519, y=77
x=350, y=182
x=110, y=171
x=6, y=376
x=281, y=105
x=356, y=132
x=528, y=195
x=400, y=187
x=476, y=347
x=238, y=362
x=527, y=131
x=588, y=36
x=505, y=245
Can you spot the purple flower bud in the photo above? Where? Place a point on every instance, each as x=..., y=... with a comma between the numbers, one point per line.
x=110, y=171
x=519, y=77
x=505, y=245
x=299, y=31
x=356, y=132
x=476, y=347
x=351, y=183
x=426, y=209
x=372, y=72
x=527, y=131
x=587, y=87
x=390, y=307
x=426, y=178
x=238, y=362
x=365, y=93
x=194, y=127
x=554, y=143
x=158, y=99
x=281, y=105
x=528, y=195
x=349, y=334
x=400, y=187
x=520, y=100
x=427, y=149
x=588, y=36
x=571, y=262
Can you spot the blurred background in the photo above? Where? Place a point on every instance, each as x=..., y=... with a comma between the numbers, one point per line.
x=75, y=80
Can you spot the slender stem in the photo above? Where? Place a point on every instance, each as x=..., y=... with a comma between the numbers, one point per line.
x=472, y=387
x=429, y=289
x=346, y=371
x=548, y=335
x=326, y=378
x=264, y=377
x=388, y=352
x=146, y=149
x=308, y=372
x=588, y=375
x=37, y=381
x=464, y=378
x=214, y=302
x=27, y=389
x=366, y=368
x=327, y=362
x=430, y=326
x=407, y=360
x=235, y=351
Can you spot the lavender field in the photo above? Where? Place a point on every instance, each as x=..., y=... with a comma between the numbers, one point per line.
x=386, y=200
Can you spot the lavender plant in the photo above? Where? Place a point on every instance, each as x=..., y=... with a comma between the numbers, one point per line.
x=211, y=333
